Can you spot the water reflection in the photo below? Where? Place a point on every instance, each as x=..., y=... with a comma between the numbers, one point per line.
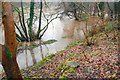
x=64, y=31
x=33, y=56
x=56, y=30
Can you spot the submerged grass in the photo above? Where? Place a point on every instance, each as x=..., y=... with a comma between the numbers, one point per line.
x=48, y=58
x=69, y=57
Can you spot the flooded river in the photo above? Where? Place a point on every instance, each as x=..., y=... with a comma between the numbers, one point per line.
x=61, y=30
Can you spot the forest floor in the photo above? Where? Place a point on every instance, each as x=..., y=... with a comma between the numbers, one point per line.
x=80, y=61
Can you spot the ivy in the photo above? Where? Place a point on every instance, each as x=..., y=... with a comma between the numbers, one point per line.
x=8, y=52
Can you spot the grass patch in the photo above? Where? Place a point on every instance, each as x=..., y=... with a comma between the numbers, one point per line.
x=45, y=60
x=27, y=78
x=75, y=43
x=64, y=69
x=48, y=59
x=60, y=52
x=110, y=26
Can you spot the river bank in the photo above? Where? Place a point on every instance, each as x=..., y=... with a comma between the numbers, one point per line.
x=80, y=61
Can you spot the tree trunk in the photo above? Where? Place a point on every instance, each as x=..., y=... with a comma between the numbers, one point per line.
x=75, y=12
x=10, y=65
x=119, y=28
x=0, y=53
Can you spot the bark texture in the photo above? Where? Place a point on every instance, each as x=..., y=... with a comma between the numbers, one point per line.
x=10, y=65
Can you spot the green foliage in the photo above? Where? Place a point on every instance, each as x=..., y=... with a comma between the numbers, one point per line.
x=28, y=78
x=93, y=53
x=62, y=66
x=65, y=69
x=116, y=7
x=30, y=35
x=8, y=53
x=40, y=16
x=70, y=55
x=101, y=6
x=75, y=43
x=33, y=46
x=45, y=60
x=40, y=63
x=60, y=52
x=110, y=26
x=26, y=35
x=50, y=56
x=22, y=21
x=63, y=78
x=84, y=17
x=50, y=41
x=117, y=10
x=31, y=18
x=113, y=76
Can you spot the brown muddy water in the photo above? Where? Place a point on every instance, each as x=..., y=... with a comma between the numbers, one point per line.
x=64, y=31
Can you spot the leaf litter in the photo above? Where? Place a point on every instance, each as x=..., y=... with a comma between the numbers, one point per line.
x=95, y=61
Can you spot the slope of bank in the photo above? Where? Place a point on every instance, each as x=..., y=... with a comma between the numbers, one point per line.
x=80, y=61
